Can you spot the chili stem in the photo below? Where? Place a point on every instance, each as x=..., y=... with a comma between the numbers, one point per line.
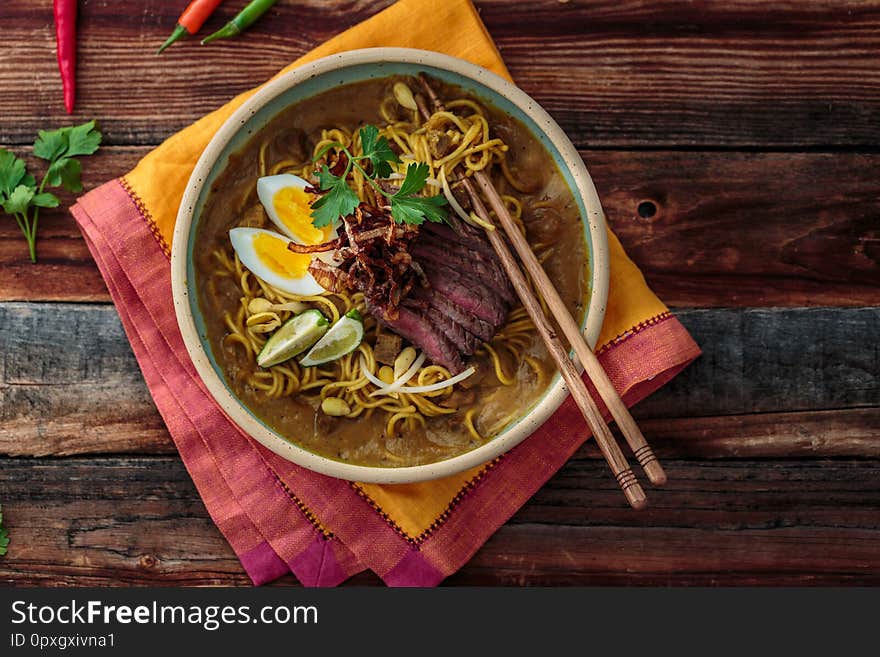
x=243, y=20
x=191, y=20
x=178, y=32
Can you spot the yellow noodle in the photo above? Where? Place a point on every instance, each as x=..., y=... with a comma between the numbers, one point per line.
x=514, y=182
x=224, y=260
x=499, y=370
x=465, y=102
x=394, y=419
x=262, y=165
x=469, y=424
x=477, y=220
x=245, y=198
x=283, y=166
x=536, y=366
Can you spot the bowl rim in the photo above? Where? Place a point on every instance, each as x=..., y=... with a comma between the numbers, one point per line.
x=236, y=410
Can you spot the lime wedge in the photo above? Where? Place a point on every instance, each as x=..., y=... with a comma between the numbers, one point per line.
x=298, y=334
x=342, y=338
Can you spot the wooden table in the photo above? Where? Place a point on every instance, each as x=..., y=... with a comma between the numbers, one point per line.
x=735, y=148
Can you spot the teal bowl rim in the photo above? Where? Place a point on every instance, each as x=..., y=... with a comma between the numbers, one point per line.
x=310, y=79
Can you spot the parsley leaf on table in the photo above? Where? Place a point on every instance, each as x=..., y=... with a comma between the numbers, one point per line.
x=82, y=139
x=19, y=194
x=69, y=142
x=12, y=173
x=19, y=199
x=65, y=172
x=4, y=535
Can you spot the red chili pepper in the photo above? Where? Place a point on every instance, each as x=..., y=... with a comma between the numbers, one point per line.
x=65, y=39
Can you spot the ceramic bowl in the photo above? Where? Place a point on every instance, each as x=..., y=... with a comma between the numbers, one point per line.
x=314, y=78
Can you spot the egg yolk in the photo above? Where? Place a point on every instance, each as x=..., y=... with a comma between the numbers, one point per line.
x=274, y=253
x=293, y=206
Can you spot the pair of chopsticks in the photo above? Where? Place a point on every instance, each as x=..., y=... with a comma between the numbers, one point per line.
x=627, y=481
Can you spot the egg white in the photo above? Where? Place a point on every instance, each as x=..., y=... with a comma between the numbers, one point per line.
x=268, y=187
x=243, y=242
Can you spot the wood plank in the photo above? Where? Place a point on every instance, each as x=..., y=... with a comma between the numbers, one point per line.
x=784, y=382
x=69, y=379
x=729, y=229
x=665, y=73
x=747, y=229
x=771, y=360
x=815, y=434
x=139, y=521
x=850, y=433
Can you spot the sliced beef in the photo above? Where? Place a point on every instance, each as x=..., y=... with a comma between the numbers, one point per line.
x=441, y=304
x=469, y=295
x=420, y=331
x=467, y=263
x=445, y=235
x=477, y=236
x=465, y=341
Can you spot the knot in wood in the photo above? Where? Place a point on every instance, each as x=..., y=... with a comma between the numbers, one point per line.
x=148, y=562
x=647, y=209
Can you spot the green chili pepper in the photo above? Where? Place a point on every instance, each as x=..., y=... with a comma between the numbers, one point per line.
x=243, y=20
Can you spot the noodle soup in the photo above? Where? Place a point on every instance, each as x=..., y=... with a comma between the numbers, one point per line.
x=446, y=301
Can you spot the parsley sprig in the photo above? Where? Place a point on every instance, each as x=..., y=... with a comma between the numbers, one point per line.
x=407, y=205
x=4, y=535
x=22, y=198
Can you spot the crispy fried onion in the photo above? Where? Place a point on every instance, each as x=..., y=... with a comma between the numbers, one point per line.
x=371, y=256
x=315, y=248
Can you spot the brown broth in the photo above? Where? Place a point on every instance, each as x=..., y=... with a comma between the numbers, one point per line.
x=362, y=441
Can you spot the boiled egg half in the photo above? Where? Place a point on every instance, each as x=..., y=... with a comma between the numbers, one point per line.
x=265, y=253
x=289, y=207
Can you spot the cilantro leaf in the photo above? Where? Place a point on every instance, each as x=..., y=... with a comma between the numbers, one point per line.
x=4, y=535
x=18, y=200
x=327, y=179
x=378, y=151
x=66, y=172
x=407, y=207
x=12, y=173
x=45, y=200
x=415, y=209
x=19, y=194
x=339, y=200
x=416, y=175
x=83, y=139
x=51, y=144
x=67, y=142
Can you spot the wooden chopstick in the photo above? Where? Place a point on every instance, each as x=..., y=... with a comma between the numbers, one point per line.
x=627, y=481
x=641, y=450
x=607, y=445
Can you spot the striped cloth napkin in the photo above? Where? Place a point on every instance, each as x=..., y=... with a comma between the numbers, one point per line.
x=278, y=517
